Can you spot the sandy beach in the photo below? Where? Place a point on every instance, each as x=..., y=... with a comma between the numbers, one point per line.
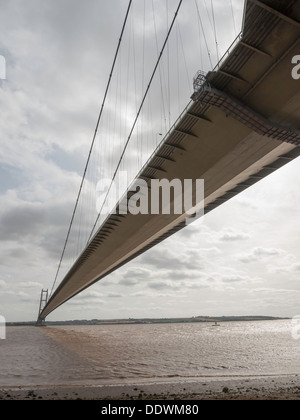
x=254, y=388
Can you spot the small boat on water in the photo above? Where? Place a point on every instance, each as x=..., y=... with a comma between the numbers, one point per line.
x=215, y=324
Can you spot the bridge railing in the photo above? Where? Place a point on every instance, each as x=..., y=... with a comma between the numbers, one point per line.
x=228, y=52
x=217, y=67
x=183, y=113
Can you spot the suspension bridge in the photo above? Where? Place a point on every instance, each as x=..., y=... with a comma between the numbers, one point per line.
x=241, y=124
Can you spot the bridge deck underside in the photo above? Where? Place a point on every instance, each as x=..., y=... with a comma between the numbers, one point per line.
x=208, y=144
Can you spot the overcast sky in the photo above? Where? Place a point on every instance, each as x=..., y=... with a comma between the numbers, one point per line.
x=241, y=259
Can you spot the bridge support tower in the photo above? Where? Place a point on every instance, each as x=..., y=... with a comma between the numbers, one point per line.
x=43, y=301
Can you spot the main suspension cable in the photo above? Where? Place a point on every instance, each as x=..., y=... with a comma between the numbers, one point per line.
x=93, y=142
x=137, y=116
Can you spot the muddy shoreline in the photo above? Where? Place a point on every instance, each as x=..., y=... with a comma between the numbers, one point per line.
x=253, y=388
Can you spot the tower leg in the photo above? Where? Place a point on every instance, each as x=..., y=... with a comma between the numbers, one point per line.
x=43, y=301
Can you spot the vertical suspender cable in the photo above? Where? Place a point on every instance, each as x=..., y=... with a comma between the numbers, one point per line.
x=160, y=71
x=233, y=18
x=204, y=36
x=138, y=114
x=215, y=31
x=93, y=141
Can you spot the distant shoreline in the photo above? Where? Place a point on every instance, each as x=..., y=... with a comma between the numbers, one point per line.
x=135, y=321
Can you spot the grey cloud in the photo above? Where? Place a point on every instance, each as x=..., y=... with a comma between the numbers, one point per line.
x=87, y=294
x=295, y=267
x=30, y=285
x=234, y=279
x=159, y=285
x=10, y=254
x=134, y=276
x=87, y=301
x=173, y=283
x=128, y=282
x=27, y=220
x=172, y=260
x=73, y=161
x=115, y=295
x=182, y=274
x=88, y=297
x=20, y=222
x=2, y=284
x=259, y=253
x=274, y=291
x=11, y=177
x=233, y=236
x=226, y=277
x=292, y=268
